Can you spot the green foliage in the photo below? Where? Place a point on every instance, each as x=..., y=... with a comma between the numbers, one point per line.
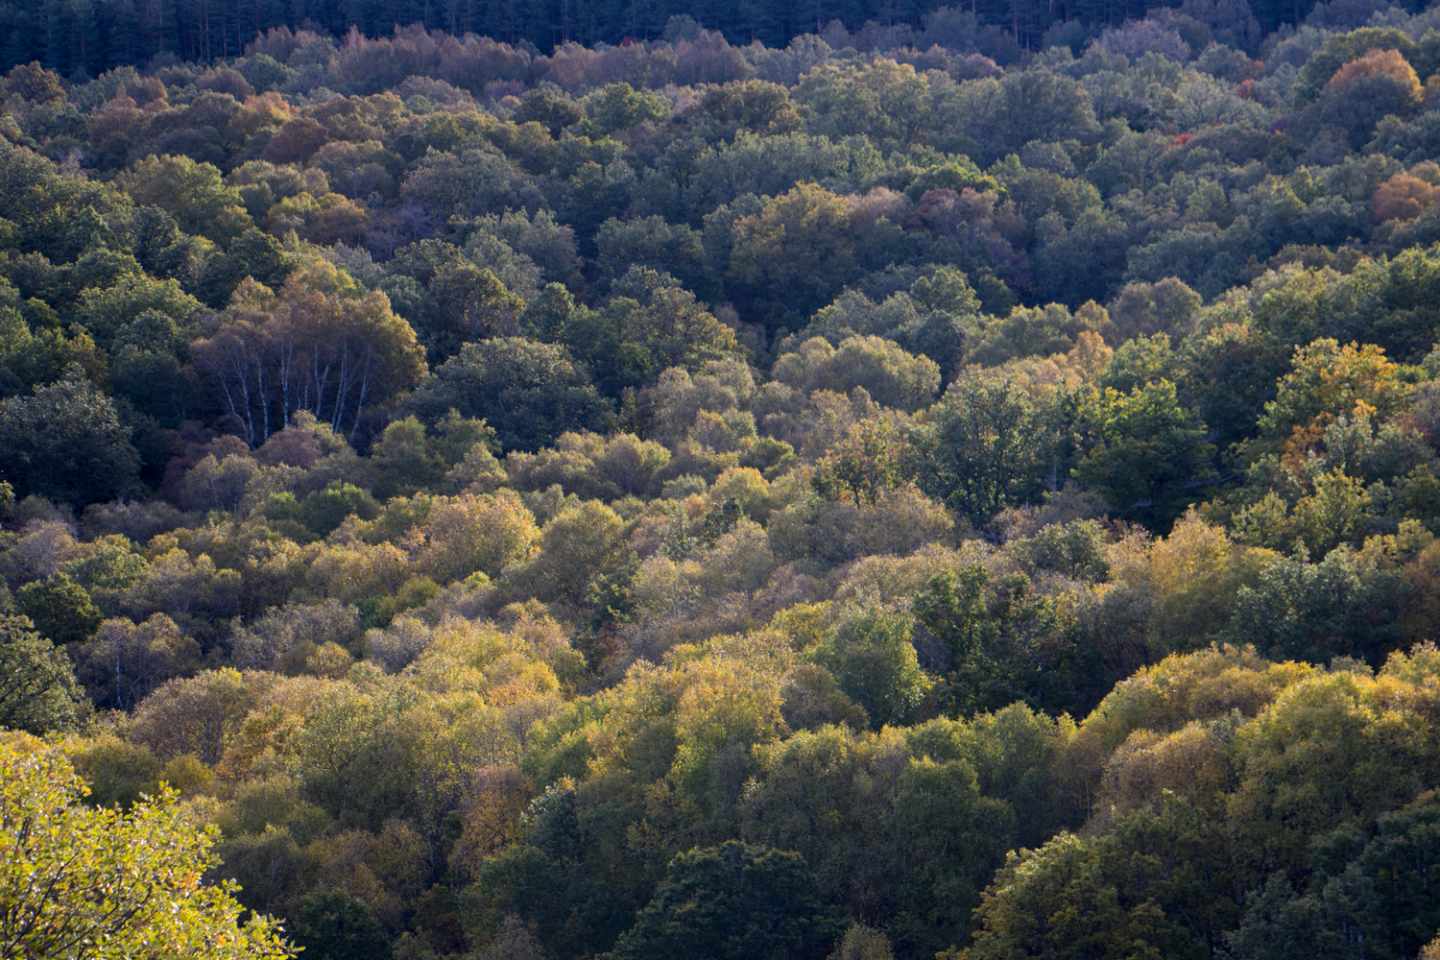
x=1144, y=451
x=324, y=510
x=110, y=883
x=66, y=441
x=705, y=891
x=871, y=459
x=872, y=657
x=1077, y=896
x=334, y=926
x=995, y=641
x=1336, y=607
x=61, y=609
x=1383, y=878
x=647, y=325
x=984, y=447
x=673, y=495
x=38, y=692
x=529, y=392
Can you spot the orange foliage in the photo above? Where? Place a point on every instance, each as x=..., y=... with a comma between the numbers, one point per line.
x=1403, y=197
x=1390, y=64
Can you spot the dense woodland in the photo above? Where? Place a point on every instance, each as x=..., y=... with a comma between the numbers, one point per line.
x=889, y=495
x=86, y=37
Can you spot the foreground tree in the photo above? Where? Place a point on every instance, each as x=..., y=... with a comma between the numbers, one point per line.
x=76, y=881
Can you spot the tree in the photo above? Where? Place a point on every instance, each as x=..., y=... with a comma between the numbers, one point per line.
x=529, y=392
x=1378, y=894
x=579, y=547
x=321, y=344
x=1229, y=372
x=862, y=943
x=794, y=253
x=38, y=692
x=1403, y=197
x=1345, y=47
x=950, y=841
x=193, y=193
x=872, y=657
x=986, y=446
x=324, y=510
x=60, y=608
x=881, y=98
x=466, y=302
x=467, y=533
x=867, y=462
x=651, y=242
x=1344, y=605
x=332, y=925
x=1368, y=88
x=618, y=106
x=997, y=640
x=66, y=442
x=1167, y=306
x=1154, y=886
x=513, y=942
x=892, y=377
x=1144, y=451
x=1036, y=331
x=1024, y=105
x=1326, y=381
x=196, y=715
x=733, y=902
x=648, y=324
x=1322, y=756
x=105, y=883
x=125, y=661
x=138, y=308
x=403, y=460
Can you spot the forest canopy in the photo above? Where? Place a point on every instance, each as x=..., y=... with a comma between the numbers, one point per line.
x=863, y=482
x=91, y=36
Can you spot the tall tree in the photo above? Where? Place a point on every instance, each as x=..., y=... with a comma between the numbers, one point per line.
x=320, y=344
